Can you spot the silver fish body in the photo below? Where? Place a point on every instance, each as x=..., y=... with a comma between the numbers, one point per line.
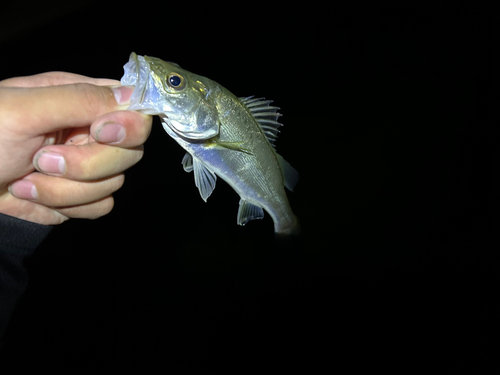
x=225, y=136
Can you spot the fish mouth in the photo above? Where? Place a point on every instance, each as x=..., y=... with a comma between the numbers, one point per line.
x=136, y=73
x=134, y=59
x=131, y=71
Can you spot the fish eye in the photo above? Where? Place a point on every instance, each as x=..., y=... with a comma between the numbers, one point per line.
x=176, y=81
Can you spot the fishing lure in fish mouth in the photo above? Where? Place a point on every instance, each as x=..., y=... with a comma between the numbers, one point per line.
x=224, y=136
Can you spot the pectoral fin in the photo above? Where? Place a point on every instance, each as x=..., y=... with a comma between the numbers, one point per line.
x=204, y=178
x=248, y=211
x=234, y=146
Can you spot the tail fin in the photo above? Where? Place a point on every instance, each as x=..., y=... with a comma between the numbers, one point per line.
x=292, y=230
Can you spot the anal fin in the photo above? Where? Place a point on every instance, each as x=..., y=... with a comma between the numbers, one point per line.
x=248, y=211
x=187, y=162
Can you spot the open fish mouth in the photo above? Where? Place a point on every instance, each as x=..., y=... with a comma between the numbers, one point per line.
x=132, y=71
x=136, y=74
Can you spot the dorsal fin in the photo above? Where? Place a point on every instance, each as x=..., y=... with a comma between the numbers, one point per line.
x=290, y=175
x=265, y=115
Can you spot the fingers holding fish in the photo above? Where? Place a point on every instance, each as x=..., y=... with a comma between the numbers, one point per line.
x=88, y=162
x=122, y=128
x=49, y=115
x=58, y=192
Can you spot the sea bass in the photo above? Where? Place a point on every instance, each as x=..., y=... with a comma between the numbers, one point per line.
x=225, y=136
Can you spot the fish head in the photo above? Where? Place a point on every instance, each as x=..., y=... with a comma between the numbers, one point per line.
x=183, y=100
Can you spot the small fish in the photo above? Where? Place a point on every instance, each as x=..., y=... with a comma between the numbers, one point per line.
x=225, y=136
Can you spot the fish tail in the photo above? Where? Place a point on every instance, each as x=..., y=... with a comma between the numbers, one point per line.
x=291, y=229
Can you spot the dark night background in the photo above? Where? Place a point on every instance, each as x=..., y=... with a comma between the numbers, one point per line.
x=391, y=119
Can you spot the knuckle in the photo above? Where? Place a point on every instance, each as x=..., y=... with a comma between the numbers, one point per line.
x=112, y=184
x=89, y=211
x=94, y=98
x=97, y=162
x=138, y=126
x=145, y=123
x=103, y=207
x=64, y=193
x=120, y=180
x=138, y=154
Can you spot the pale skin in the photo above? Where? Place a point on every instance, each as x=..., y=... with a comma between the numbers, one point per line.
x=65, y=141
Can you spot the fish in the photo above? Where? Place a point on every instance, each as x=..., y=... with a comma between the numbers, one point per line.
x=224, y=136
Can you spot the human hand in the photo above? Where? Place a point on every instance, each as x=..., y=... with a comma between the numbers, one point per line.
x=65, y=140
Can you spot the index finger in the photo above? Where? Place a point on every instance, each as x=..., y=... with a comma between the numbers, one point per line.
x=50, y=108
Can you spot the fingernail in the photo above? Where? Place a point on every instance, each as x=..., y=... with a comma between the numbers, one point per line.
x=50, y=162
x=23, y=189
x=123, y=93
x=110, y=132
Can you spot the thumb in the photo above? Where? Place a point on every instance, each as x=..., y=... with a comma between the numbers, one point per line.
x=42, y=110
x=54, y=79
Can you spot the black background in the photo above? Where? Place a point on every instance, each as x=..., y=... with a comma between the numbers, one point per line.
x=391, y=119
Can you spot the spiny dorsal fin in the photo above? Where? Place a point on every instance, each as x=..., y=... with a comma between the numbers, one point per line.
x=265, y=115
